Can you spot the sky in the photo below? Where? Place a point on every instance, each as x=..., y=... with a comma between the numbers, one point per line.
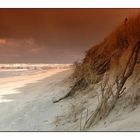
x=54, y=35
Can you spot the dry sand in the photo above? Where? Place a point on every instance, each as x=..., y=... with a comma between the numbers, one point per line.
x=26, y=104
x=26, y=101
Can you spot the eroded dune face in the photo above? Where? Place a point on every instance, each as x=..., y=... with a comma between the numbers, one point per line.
x=113, y=64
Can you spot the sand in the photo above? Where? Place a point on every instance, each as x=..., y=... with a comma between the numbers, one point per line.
x=26, y=104
x=26, y=101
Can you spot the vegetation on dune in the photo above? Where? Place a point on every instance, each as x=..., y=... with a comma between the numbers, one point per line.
x=117, y=54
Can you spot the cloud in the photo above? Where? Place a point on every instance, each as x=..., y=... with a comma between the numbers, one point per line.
x=54, y=35
x=2, y=41
x=22, y=47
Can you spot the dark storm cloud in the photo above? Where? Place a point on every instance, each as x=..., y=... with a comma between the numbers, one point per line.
x=58, y=35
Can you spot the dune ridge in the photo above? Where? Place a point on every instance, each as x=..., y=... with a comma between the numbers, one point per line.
x=112, y=64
